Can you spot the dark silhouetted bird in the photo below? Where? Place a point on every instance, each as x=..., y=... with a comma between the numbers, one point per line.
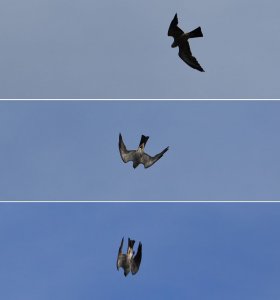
x=139, y=156
x=128, y=261
x=181, y=40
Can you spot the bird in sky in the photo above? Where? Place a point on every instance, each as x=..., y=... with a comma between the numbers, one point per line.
x=128, y=261
x=139, y=156
x=181, y=40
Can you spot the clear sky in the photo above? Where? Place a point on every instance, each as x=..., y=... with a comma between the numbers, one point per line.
x=190, y=251
x=68, y=150
x=120, y=49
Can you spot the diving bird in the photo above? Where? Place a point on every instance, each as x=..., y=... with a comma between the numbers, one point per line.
x=139, y=156
x=128, y=261
x=181, y=40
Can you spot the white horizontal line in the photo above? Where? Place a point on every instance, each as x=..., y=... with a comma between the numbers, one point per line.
x=144, y=99
x=139, y=201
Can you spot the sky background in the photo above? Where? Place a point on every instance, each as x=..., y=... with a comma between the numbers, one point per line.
x=190, y=251
x=68, y=150
x=120, y=49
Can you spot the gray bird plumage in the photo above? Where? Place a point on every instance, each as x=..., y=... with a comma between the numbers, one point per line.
x=139, y=156
x=181, y=41
x=128, y=261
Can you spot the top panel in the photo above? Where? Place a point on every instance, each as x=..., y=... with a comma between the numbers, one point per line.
x=120, y=49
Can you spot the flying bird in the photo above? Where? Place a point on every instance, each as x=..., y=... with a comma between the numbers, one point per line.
x=181, y=40
x=139, y=156
x=128, y=261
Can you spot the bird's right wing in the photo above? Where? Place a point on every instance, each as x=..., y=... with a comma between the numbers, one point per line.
x=186, y=55
x=174, y=30
x=148, y=160
x=136, y=260
x=126, y=155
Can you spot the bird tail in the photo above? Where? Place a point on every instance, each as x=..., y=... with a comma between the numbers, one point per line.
x=130, y=243
x=195, y=33
x=144, y=140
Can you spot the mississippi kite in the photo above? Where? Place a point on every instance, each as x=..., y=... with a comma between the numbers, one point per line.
x=139, y=156
x=128, y=261
x=181, y=40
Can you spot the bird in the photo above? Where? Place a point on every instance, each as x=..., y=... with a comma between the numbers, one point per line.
x=139, y=156
x=128, y=261
x=181, y=40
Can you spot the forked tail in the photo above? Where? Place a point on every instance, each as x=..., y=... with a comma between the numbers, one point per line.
x=195, y=33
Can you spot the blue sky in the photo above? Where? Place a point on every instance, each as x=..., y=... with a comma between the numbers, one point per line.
x=68, y=150
x=191, y=250
x=120, y=49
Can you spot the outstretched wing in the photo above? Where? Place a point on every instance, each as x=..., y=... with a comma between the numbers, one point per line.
x=120, y=256
x=148, y=160
x=174, y=30
x=126, y=155
x=136, y=260
x=186, y=55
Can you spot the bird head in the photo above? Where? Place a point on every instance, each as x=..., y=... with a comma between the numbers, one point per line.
x=174, y=44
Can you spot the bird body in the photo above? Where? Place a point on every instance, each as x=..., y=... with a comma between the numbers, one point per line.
x=139, y=156
x=181, y=40
x=128, y=261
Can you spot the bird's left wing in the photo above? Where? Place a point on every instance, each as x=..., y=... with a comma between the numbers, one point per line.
x=120, y=256
x=136, y=260
x=174, y=30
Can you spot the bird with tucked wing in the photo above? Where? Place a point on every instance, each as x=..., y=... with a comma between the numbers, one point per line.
x=139, y=156
x=181, y=40
x=129, y=262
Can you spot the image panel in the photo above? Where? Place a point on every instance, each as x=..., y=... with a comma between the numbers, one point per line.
x=181, y=150
x=189, y=250
x=121, y=49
